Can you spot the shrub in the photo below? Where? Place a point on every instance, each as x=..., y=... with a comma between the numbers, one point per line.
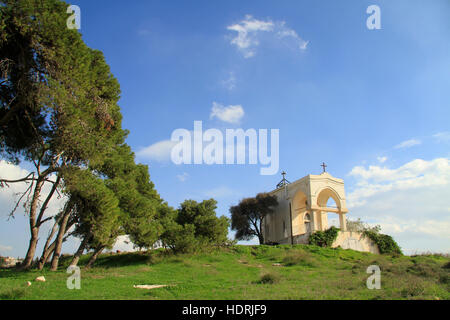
x=444, y=278
x=324, y=238
x=269, y=278
x=386, y=244
x=181, y=239
x=195, y=227
x=423, y=270
x=415, y=288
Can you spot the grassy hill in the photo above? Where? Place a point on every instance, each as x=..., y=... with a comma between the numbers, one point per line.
x=241, y=272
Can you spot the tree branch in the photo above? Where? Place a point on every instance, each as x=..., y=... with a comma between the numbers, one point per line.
x=11, y=214
x=47, y=200
x=5, y=181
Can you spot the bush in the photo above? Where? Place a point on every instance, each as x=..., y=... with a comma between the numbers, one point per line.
x=181, y=239
x=195, y=227
x=444, y=278
x=386, y=244
x=415, y=288
x=269, y=278
x=324, y=238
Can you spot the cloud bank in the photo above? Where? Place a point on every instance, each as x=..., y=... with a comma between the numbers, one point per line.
x=410, y=202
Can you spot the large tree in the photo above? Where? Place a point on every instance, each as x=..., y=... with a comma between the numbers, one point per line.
x=247, y=216
x=58, y=101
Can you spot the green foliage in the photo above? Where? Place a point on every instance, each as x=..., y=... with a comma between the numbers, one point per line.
x=324, y=238
x=269, y=278
x=247, y=216
x=386, y=244
x=59, y=110
x=58, y=96
x=138, y=200
x=208, y=227
x=181, y=238
x=97, y=207
x=194, y=226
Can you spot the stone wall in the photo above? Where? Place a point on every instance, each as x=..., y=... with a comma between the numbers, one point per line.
x=345, y=239
x=355, y=241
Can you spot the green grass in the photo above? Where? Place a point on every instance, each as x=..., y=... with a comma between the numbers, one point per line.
x=241, y=272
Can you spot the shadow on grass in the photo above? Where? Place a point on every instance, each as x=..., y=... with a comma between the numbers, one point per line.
x=118, y=260
x=12, y=294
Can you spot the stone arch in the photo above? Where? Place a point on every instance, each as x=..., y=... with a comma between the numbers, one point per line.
x=322, y=198
x=325, y=194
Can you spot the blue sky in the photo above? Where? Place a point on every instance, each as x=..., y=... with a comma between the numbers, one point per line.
x=373, y=104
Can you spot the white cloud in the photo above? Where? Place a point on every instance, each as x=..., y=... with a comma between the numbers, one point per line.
x=442, y=136
x=410, y=202
x=230, y=82
x=230, y=114
x=408, y=144
x=10, y=195
x=183, y=177
x=249, y=30
x=414, y=173
x=382, y=159
x=159, y=151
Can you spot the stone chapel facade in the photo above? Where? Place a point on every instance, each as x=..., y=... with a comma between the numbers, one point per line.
x=302, y=209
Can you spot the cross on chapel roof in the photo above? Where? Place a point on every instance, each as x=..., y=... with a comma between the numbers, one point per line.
x=283, y=181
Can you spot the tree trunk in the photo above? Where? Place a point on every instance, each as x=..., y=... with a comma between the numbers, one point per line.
x=34, y=227
x=77, y=255
x=261, y=239
x=47, y=256
x=97, y=252
x=46, y=251
x=59, y=238
x=260, y=234
x=35, y=222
